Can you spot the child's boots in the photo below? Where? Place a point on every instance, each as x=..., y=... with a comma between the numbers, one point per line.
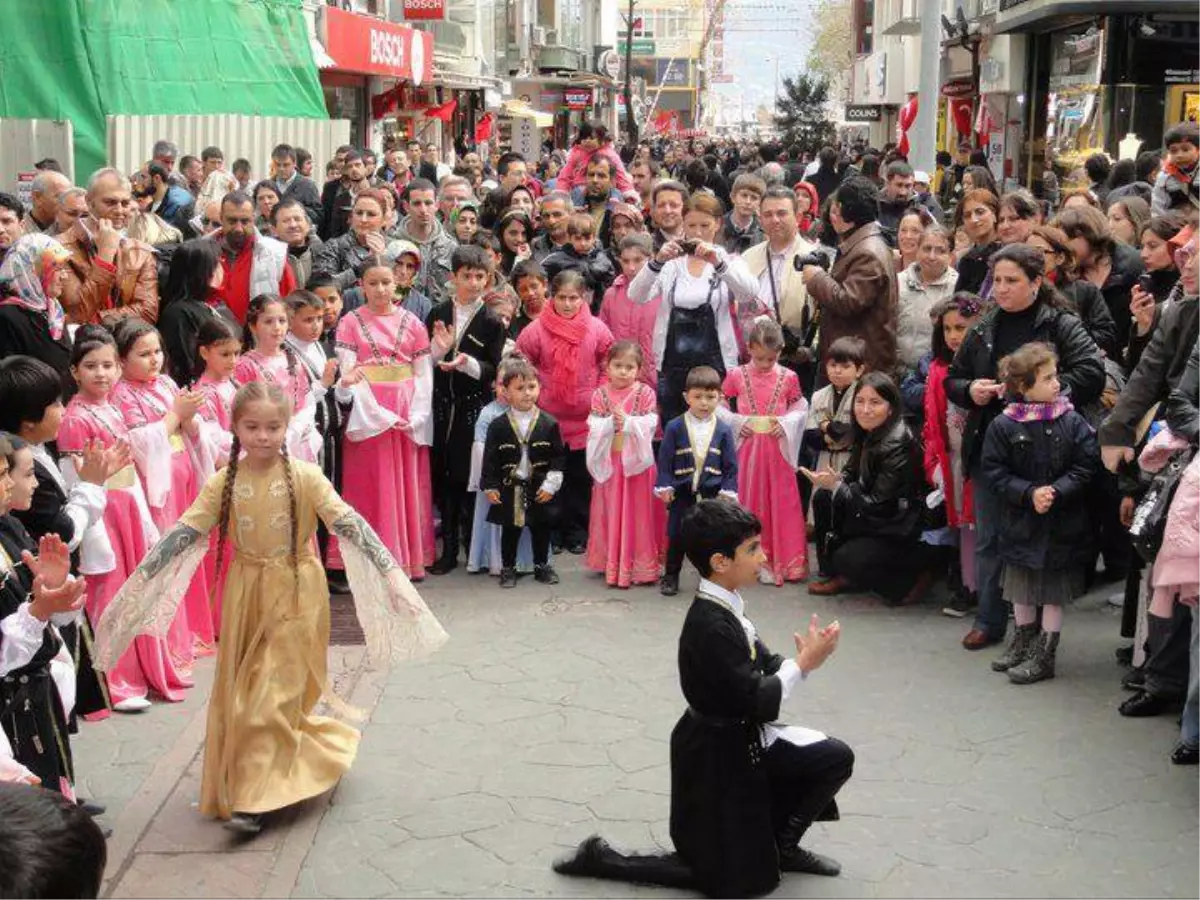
x=1040, y=664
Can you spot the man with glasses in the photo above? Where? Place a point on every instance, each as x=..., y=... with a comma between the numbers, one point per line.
x=110, y=276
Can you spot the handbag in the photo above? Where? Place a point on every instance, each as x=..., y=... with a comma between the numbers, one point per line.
x=1150, y=516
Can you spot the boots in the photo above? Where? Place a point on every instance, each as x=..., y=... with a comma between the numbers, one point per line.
x=794, y=858
x=1040, y=664
x=1019, y=648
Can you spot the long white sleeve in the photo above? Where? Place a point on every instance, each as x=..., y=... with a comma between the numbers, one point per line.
x=21, y=636
x=420, y=410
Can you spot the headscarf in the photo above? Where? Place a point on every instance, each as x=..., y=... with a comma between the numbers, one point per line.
x=632, y=213
x=457, y=211
x=25, y=275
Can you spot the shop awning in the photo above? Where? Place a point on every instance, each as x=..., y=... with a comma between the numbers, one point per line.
x=518, y=109
x=462, y=81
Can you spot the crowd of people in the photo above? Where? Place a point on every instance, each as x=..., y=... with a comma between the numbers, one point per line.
x=915, y=374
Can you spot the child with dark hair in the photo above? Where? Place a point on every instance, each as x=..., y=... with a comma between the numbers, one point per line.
x=1039, y=456
x=829, y=432
x=1176, y=186
x=593, y=142
x=218, y=348
x=466, y=342
x=49, y=846
x=523, y=461
x=697, y=460
x=744, y=789
x=532, y=287
x=583, y=254
x=264, y=748
x=325, y=286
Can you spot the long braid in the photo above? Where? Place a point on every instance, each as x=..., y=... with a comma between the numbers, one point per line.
x=235, y=451
x=297, y=394
x=293, y=524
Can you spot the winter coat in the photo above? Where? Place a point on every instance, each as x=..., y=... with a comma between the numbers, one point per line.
x=914, y=328
x=596, y=268
x=1021, y=456
x=1089, y=305
x=859, y=296
x=629, y=321
x=1079, y=368
x=1174, y=189
x=303, y=259
x=342, y=258
x=880, y=487
x=914, y=386
x=737, y=240
x=304, y=191
x=1127, y=265
x=1181, y=413
x=973, y=267
x=826, y=181
x=100, y=293
x=892, y=211
x=178, y=205
x=574, y=173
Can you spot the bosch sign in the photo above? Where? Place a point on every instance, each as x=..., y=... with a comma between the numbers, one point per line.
x=361, y=44
x=425, y=9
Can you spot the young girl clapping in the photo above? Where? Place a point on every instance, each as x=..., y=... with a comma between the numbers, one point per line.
x=626, y=536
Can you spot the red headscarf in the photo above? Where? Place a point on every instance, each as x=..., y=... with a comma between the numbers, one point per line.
x=805, y=220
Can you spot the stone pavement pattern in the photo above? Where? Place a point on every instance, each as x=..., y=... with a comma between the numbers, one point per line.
x=547, y=718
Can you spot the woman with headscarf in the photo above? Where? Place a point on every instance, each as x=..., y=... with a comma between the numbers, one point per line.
x=32, y=322
x=464, y=221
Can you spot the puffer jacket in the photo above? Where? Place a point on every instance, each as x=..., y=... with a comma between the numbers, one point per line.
x=1079, y=368
x=1021, y=456
x=881, y=483
x=1183, y=406
x=859, y=297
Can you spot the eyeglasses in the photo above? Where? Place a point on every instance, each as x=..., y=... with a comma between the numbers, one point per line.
x=1184, y=255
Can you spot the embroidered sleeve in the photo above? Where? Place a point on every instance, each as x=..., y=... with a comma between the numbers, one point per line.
x=354, y=529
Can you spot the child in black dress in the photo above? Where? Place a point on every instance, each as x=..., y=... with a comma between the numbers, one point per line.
x=522, y=472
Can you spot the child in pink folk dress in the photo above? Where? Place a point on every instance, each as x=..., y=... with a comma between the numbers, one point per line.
x=383, y=349
x=165, y=436
x=113, y=548
x=273, y=361
x=629, y=321
x=628, y=527
x=768, y=425
x=593, y=142
x=568, y=345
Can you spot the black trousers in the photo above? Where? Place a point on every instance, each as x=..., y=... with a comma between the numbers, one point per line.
x=458, y=509
x=510, y=537
x=884, y=564
x=1169, y=644
x=805, y=779
x=575, y=499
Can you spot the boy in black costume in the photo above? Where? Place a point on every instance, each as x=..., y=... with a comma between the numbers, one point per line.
x=744, y=790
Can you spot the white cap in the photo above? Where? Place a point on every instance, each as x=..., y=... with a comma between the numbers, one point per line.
x=920, y=177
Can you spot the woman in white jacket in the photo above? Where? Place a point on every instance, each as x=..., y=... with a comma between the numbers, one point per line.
x=923, y=285
x=698, y=284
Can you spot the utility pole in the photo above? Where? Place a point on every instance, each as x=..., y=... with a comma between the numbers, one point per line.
x=631, y=128
x=923, y=135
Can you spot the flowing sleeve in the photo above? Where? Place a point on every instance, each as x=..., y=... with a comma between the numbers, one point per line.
x=733, y=388
x=368, y=417
x=638, y=453
x=377, y=583
x=21, y=636
x=793, y=420
x=151, y=448
x=599, y=446
x=420, y=410
x=147, y=602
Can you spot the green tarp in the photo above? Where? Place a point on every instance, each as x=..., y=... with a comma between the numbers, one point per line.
x=83, y=60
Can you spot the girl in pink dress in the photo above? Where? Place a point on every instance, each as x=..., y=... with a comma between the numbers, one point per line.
x=266, y=357
x=113, y=548
x=627, y=526
x=768, y=424
x=164, y=434
x=383, y=349
x=568, y=345
x=628, y=320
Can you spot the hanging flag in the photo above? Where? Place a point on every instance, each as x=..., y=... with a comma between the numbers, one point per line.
x=905, y=120
x=483, y=129
x=444, y=112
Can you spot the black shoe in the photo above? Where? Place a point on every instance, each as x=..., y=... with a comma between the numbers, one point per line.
x=508, y=578
x=577, y=548
x=90, y=807
x=245, y=823
x=800, y=860
x=445, y=563
x=1184, y=755
x=1143, y=705
x=961, y=605
x=337, y=582
x=668, y=586
x=1125, y=655
x=545, y=574
x=1134, y=680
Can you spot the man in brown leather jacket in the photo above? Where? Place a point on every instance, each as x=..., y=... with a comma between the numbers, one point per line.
x=859, y=295
x=109, y=276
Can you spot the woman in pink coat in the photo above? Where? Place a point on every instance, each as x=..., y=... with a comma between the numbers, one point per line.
x=568, y=345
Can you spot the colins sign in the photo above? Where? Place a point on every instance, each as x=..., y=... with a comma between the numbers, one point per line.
x=361, y=44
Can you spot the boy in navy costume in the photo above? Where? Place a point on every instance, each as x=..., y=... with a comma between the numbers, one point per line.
x=697, y=460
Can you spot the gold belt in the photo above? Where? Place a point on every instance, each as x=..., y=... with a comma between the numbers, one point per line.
x=122, y=480
x=618, y=443
x=760, y=424
x=387, y=374
x=176, y=442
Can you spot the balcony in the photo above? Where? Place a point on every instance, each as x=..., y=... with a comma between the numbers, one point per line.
x=898, y=17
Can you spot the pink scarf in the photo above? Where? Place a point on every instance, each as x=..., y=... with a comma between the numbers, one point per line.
x=1038, y=412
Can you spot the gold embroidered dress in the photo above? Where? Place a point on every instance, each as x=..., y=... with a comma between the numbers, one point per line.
x=264, y=748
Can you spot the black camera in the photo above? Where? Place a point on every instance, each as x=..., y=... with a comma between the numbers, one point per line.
x=816, y=258
x=688, y=245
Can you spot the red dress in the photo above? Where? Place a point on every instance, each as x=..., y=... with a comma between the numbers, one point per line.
x=628, y=526
x=767, y=464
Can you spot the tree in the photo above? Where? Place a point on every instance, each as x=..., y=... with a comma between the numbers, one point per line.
x=801, y=117
x=832, y=52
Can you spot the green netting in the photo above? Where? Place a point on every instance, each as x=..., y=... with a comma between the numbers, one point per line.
x=86, y=59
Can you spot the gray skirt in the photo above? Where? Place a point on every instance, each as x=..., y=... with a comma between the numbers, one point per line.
x=1043, y=587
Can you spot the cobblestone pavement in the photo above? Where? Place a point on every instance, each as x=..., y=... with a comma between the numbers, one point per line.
x=547, y=718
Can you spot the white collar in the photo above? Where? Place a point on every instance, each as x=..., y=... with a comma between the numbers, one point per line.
x=703, y=424
x=523, y=418
x=733, y=598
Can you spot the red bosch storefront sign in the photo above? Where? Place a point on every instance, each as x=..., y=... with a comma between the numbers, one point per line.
x=425, y=9
x=362, y=44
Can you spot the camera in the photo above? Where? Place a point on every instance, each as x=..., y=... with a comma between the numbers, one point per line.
x=816, y=258
x=688, y=245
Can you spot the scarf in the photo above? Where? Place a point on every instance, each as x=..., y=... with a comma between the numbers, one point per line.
x=1038, y=412
x=26, y=272
x=1178, y=174
x=566, y=335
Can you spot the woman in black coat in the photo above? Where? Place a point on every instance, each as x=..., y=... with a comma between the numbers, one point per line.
x=1027, y=309
x=195, y=269
x=867, y=518
x=1111, y=266
x=1085, y=298
x=979, y=213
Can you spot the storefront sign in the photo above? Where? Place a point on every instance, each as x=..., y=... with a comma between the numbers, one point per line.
x=361, y=44
x=962, y=87
x=425, y=10
x=1181, y=76
x=577, y=98
x=857, y=112
x=671, y=72
x=640, y=47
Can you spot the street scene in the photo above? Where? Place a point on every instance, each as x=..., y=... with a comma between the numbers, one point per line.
x=592, y=448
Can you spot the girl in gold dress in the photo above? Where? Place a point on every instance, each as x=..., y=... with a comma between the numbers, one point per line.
x=264, y=748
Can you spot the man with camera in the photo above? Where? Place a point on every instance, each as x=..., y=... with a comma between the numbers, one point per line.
x=776, y=264
x=859, y=295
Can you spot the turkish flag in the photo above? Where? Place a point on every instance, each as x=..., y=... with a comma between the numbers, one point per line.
x=445, y=112
x=483, y=129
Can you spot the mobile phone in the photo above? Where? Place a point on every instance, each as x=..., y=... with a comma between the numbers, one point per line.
x=1146, y=283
